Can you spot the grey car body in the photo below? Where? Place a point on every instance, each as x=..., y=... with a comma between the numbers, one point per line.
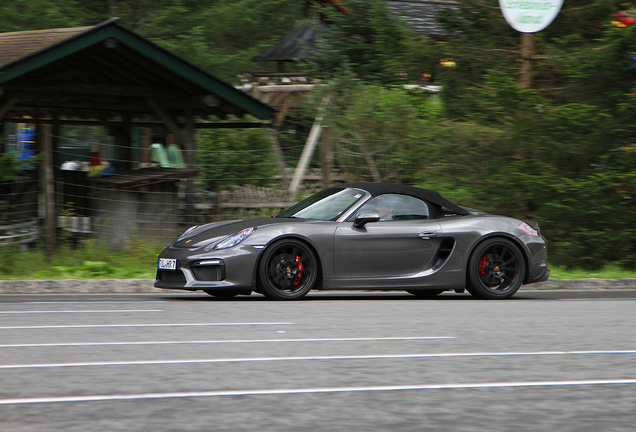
x=338, y=240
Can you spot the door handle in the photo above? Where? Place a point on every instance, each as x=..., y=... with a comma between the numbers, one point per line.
x=426, y=235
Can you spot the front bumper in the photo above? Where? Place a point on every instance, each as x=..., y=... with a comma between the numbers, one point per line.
x=229, y=268
x=538, y=270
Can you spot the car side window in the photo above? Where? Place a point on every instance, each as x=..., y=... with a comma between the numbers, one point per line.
x=397, y=207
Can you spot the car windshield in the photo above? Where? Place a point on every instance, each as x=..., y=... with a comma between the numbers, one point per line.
x=327, y=204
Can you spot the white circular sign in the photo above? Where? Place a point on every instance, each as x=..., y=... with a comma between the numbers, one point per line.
x=530, y=16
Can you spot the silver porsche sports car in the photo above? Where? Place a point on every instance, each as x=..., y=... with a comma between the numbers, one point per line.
x=360, y=236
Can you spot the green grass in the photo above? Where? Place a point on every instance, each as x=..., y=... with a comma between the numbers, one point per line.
x=608, y=272
x=95, y=261
x=89, y=261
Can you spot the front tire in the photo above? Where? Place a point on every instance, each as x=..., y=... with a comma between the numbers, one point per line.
x=288, y=270
x=496, y=270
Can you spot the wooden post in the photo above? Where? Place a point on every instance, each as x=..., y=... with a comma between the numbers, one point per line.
x=327, y=155
x=305, y=157
x=188, y=144
x=49, y=190
x=278, y=154
x=528, y=47
x=125, y=160
x=310, y=146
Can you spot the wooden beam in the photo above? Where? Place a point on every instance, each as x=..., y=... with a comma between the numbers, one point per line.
x=125, y=90
x=327, y=156
x=206, y=125
x=285, y=88
x=527, y=52
x=189, y=147
x=49, y=190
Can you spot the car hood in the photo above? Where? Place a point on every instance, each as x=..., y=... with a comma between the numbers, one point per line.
x=208, y=234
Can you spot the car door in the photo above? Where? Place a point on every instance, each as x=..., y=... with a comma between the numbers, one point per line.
x=401, y=244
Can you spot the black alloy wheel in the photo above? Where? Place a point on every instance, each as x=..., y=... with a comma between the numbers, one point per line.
x=288, y=270
x=425, y=293
x=496, y=269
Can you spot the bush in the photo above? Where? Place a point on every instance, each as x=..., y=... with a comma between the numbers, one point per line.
x=229, y=157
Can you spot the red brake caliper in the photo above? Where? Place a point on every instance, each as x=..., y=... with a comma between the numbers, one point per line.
x=482, y=265
x=299, y=275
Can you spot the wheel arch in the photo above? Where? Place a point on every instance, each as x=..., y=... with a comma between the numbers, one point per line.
x=301, y=239
x=502, y=235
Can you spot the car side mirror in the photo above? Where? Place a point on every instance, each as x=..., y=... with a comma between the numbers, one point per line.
x=365, y=217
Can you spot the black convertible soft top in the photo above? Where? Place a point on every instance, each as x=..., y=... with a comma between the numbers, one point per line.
x=430, y=196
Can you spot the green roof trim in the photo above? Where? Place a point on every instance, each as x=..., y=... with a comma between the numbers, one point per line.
x=110, y=29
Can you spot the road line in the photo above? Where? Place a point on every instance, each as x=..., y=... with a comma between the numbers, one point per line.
x=299, y=358
x=355, y=389
x=143, y=325
x=229, y=341
x=88, y=302
x=81, y=311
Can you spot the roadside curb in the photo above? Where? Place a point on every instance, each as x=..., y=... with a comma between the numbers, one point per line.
x=80, y=286
x=136, y=286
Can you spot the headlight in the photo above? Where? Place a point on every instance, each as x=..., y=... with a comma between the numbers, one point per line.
x=526, y=228
x=234, y=239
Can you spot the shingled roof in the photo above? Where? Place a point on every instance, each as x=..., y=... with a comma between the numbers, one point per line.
x=15, y=45
x=296, y=46
x=422, y=16
x=108, y=71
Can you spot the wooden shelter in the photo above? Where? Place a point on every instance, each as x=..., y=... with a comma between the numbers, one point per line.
x=107, y=75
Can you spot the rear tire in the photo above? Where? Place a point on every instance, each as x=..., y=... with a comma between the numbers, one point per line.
x=496, y=270
x=288, y=270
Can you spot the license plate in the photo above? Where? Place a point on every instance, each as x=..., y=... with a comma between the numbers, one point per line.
x=167, y=264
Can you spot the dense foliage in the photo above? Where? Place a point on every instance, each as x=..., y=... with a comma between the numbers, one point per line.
x=560, y=152
x=227, y=157
x=218, y=35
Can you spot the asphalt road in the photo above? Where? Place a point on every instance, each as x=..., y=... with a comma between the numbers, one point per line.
x=543, y=361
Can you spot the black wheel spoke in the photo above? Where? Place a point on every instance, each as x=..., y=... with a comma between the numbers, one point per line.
x=278, y=278
x=491, y=280
x=498, y=254
x=512, y=260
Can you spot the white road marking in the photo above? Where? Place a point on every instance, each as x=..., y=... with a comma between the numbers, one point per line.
x=229, y=341
x=266, y=392
x=89, y=302
x=144, y=325
x=305, y=358
x=80, y=311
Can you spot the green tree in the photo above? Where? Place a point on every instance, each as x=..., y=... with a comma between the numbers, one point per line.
x=551, y=162
x=227, y=157
x=372, y=44
x=218, y=36
x=20, y=15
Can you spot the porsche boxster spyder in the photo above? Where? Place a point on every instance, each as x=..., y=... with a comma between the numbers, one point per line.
x=360, y=236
